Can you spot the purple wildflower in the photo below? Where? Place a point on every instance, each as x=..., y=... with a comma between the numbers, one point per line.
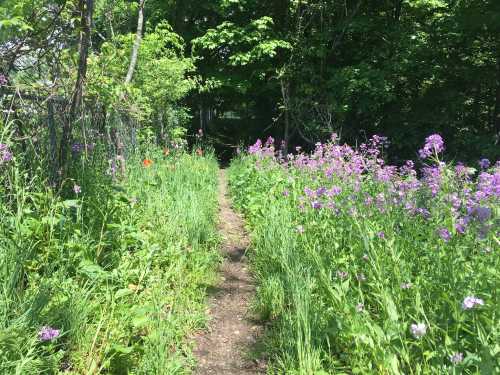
x=361, y=277
x=5, y=154
x=456, y=358
x=423, y=212
x=433, y=144
x=77, y=189
x=335, y=190
x=418, y=330
x=470, y=302
x=286, y=193
x=481, y=213
x=320, y=191
x=3, y=80
x=484, y=163
x=255, y=148
x=269, y=141
x=316, y=205
x=48, y=333
x=360, y=307
x=381, y=235
x=308, y=192
x=460, y=226
x=444, y=234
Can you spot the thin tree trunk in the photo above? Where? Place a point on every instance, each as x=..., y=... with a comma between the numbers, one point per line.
x=52, y=141
x=285, y=92
x=86, y=10
x=397, y=10
x=496, y=115
x=115, y=134
x=137, y=43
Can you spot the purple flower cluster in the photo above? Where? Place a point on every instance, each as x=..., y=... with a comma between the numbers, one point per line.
x=434, y=144
x=266, y=149
x=5, y=154
x=3, y=80
x=444, y=234
x=48, y=333
x=484, y=163
x=339, y=176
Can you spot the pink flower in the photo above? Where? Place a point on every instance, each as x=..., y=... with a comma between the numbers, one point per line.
x=471, y=302
x=48, y=333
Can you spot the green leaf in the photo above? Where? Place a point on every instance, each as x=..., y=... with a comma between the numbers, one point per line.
x=123, y=292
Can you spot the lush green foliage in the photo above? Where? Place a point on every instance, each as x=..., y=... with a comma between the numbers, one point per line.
x=399, y=68
x=364, y=269
x=119, y=268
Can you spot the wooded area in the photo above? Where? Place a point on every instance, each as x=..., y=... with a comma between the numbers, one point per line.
x=297, y=70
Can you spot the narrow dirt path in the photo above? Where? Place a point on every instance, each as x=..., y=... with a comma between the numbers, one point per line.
x=232, y=334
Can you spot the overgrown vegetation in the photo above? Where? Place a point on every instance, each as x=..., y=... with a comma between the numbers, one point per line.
x=107, y=192
x=107, y=235
x=364, y=268
x=111, y=278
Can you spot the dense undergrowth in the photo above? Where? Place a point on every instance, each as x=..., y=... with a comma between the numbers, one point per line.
x=364, y=268
x=111, y=278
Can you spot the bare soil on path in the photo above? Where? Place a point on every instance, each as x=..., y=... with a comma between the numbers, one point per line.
x=225, y=348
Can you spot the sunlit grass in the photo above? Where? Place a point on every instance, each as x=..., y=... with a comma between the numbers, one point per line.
x=118, y=268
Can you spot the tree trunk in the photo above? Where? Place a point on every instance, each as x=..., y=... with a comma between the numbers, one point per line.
x=397, y=10
x=52, y=141
x=137, y=43
x=496, y=115
x=115, y=134
x=285, y=92
x=86, y=10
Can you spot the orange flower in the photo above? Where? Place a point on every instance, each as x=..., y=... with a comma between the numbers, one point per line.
x=166, y=151
x=147, y=163
x=199, y=152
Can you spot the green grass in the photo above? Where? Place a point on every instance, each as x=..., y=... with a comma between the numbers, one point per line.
x=120, y=269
